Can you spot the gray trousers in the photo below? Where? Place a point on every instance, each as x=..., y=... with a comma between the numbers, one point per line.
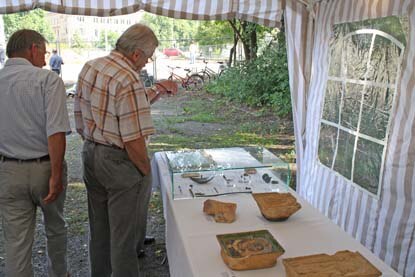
x=22, y=188
x=116, y=191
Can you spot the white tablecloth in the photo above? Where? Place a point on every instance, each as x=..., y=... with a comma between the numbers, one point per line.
x=193, y=250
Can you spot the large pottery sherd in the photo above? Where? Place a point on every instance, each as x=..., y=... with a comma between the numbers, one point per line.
x=249, y=250
x=276, y=206
x=343, y=263
x=221, y=211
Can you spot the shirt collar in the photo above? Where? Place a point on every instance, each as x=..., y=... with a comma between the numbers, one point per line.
x=118, y=55
x=17, y=61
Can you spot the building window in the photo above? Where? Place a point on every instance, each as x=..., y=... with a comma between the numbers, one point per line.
x=365, y=62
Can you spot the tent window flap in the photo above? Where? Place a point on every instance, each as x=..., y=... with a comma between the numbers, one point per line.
x=364, y=70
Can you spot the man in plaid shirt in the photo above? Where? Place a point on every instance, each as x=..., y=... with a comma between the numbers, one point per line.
x=112, y=114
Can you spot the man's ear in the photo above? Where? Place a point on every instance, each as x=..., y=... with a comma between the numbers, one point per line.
x=136, y=55
x=34, y=48
x=31, y=52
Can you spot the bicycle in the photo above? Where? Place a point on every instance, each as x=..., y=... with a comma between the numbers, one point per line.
x=209, y=74
x=222, y=68
x=192, y=82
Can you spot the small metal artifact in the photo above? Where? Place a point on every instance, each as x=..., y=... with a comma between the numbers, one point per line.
x=201, y=179
x=266, y=178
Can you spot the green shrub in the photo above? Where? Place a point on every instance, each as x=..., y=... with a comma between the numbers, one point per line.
x=262, y=82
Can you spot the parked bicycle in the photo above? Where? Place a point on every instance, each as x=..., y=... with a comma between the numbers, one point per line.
x=192, y=82
x=209, y=74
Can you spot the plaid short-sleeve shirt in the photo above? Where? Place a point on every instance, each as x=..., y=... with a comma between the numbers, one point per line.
x=111, y=106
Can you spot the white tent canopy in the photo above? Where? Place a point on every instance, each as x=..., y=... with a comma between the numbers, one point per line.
x=381, y=218
x=266, y=12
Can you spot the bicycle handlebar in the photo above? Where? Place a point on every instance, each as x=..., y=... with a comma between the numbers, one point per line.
x=172, y=68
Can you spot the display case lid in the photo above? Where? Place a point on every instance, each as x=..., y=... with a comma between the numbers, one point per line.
x=221, y=159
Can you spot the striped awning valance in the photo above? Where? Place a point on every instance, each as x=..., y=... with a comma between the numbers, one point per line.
x=264, y=12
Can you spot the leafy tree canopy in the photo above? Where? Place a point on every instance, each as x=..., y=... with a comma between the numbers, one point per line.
x=171, y=32
x=77, y=41
x=111, y=39
x=34, y=20
x=214, y=33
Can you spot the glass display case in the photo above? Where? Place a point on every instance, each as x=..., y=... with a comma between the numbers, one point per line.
x=220, y=171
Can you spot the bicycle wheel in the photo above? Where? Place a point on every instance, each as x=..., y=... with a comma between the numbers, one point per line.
x=206, y=76
x=194, y=82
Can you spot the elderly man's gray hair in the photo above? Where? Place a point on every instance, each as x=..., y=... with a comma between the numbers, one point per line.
x=138, y=36
x=22, y=40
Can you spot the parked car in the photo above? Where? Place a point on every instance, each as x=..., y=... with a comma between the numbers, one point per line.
x=71, y=91
x=172, y=52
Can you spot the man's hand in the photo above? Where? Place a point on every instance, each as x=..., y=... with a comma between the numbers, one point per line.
x=55, y=188
x=167, y=87
x=137, y=152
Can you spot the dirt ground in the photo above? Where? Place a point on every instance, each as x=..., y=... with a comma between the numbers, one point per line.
x=155, y=262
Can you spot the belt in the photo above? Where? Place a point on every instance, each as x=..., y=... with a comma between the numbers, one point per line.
x=105, y=145
x=41, y=159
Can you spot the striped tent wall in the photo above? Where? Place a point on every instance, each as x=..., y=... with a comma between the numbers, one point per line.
x=298, y=27
x=385, y=225
x=265, y=12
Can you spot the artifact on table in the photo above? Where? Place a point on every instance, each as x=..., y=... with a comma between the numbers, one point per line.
x=343, y=263
x=190, y=160
x=222, y=212
x=249, y=250
x=250, y=170
x=202, y=179
x=276, y=206
x=190, y=174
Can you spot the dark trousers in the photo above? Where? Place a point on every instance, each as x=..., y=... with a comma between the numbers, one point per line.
x=57, y=71
x=116, y=191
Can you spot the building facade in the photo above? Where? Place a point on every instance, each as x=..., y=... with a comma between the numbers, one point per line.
x=88, y=28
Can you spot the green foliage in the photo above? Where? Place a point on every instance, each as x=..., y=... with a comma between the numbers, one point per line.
x=111, y=39
x=214, y=33
x=171, y=32
x=260, y=82
x=34, y=20
x=77, y=41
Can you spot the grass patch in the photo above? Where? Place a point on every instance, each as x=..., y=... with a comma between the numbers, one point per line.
x=203, y=110
x=177, y=141
x=205, y=117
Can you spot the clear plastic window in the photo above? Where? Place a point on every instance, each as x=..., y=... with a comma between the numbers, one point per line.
x=365, y=60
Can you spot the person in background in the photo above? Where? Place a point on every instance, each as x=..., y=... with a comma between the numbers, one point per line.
x=112, y=114
x=33, y=122
x=56, y=62
x=193, y=51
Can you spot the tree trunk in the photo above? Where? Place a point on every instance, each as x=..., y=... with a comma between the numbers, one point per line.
x=232, y=54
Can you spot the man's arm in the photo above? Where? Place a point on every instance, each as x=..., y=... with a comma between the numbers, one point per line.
x=56, y=147
x=160, y=88
x=137, y=152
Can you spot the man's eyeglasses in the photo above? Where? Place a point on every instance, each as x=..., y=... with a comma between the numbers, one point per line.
x=43, y=49
x=149, y=58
